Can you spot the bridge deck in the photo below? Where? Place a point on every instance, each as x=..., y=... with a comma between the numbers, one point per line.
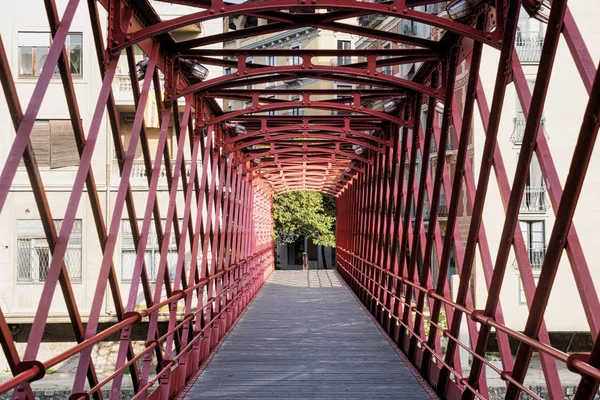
x=306, y=336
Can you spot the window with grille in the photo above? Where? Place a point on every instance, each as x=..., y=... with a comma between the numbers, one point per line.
x=295, y=60
x=34, y=47
x=520, y=121
x=33, y=252
x=534, y=234
x=344, y=87
x=343, y=45
x=522, y=298
x=54, y=144
x=152, y=252
x=387, y=69
x=295, y=111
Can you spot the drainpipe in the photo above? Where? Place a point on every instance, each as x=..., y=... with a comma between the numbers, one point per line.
x=108, y=168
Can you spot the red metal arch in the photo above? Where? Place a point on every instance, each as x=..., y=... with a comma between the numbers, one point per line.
x=305, y=105
x=308, y=70
x=305, y=150
x=316, y=189
x=344, y=132
x=305, y=159
x=332, y=139
x=218, y=9
x=339, y=167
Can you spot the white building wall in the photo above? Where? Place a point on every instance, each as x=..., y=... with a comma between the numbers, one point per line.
x=19, y=302
x=563, y=114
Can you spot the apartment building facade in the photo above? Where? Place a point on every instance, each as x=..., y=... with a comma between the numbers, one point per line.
x=24, y=252
x=290, y=255
x=536, y=216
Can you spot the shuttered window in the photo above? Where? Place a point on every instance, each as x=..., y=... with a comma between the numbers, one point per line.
x=63, y=149
x=54, y=144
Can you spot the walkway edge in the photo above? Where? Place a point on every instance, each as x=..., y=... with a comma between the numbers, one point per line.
x=428, y=389
x=214, y=351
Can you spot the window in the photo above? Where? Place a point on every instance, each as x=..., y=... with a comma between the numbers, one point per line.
x=295, y=60
x=522, y=298
x=53, y=143
x=529, y=38
x=34, y=47
x=387, y=69
x=295, y=111
x=33, y=253
x=152, y=253
x=343, y=45
x=534, y=199
x=272, y=61
x=343, y=87
x=271, y=112
x=534, y=234
x=519, y=121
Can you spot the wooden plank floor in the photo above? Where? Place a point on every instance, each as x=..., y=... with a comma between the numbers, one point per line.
x=306, y=337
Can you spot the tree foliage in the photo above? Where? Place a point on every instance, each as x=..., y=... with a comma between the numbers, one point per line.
x=304, y=213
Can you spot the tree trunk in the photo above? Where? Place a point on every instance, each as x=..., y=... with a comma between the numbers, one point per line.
x=323, y=256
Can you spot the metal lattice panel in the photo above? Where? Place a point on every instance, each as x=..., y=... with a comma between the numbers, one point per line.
x=184, y=238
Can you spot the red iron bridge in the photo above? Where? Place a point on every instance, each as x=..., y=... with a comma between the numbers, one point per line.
x=217, y=320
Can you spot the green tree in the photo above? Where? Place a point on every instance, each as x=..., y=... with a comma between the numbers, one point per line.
x=304, y=213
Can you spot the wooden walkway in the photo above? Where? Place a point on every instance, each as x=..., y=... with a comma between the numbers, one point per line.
x=305, y=336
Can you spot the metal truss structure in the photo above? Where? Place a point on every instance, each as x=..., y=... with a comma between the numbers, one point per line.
x=366, y=158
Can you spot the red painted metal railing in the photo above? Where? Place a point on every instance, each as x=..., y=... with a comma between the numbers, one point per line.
x=394, y=249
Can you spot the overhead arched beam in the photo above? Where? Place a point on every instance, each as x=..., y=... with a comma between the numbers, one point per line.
x=218, y=9
x=344, y=132
x=280, y=27
x=307, y=69
x=307, y=185
x=306, y=105
x=355, y=80
x=289, y=130
x=341, y=167
x=274, y=139
x=298, y=189
x=273, y=171
x=382, y=62
x=305, y=150
x=304, y=159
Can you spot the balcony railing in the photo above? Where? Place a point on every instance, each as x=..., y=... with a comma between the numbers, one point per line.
x=442, y=210
x=366, y=20
x=536, y=253
x=519, y=129
x=529, y=46
x=139, y=173
x=342, y=60
x=433, y=148
x=534, y=200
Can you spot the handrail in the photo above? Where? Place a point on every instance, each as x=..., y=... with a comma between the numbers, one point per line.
x=577, y=365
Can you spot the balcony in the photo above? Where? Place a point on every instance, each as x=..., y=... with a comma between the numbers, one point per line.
x=529, y=46
x=139, y=174
x=371, y=19
x=433, y=148
x=341, y=61
x=536, y=253
x=122, y=89
x=519, y=129
x=534, y=200
x=442, y=210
